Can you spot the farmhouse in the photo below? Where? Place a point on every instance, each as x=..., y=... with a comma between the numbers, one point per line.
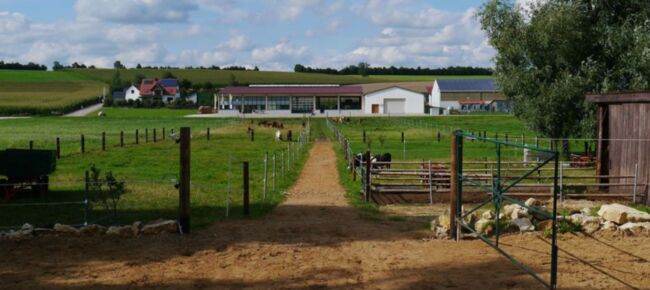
x=165, y=90
x=623, y=137
x=467, y=96
x=333, y=99
x=131, y=93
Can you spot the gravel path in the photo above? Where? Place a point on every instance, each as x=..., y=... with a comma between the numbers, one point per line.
x=316, y=240
x=85, y=111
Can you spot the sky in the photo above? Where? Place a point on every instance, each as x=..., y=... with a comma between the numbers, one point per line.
x=270, y=34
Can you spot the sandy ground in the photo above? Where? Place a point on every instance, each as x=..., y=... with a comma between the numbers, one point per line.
x=316, y=240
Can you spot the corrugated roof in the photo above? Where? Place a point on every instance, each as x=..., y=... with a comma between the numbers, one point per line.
x=478, y=85
x=291, y=90
x=419, y=87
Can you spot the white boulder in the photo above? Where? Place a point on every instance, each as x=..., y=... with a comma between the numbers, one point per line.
x=590, y=224
x=609, y=226
x=635, y=228
x=61, y=228
x=523, y=224
x=621, y=214
x=119, y=231
x=170, y=226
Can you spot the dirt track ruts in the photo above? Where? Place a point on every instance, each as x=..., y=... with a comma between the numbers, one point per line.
x=316, y=240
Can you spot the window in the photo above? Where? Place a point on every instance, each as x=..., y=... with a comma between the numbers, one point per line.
x=278, y=103
x=252, y=104
x=350, y=103
x=327, y=103
x=302, y=104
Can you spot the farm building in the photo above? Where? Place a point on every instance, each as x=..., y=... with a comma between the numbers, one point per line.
x=386, y=98
x=467, y=96
x=132, y=93
x=165, y=90
x=623, y=136
x=288, y=99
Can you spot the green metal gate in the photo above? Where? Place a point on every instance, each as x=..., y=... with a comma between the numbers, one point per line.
x=498, y=196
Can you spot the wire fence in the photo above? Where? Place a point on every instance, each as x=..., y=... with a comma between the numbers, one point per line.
x=214, y=196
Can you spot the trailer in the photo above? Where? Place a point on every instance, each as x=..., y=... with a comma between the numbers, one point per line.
x=25, y=170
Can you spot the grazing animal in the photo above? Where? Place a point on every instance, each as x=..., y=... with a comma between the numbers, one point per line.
x=385, y=158
x=289, y=135
x=101, y=114
x=278, y=135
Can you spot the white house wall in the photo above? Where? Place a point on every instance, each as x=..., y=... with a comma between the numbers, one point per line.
x=132, y=93
x=414, y=102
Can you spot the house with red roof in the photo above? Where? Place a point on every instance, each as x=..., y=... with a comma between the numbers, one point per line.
x=165, y=90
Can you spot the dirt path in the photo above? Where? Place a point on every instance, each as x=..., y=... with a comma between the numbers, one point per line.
x=85, y=111
x=315, y=240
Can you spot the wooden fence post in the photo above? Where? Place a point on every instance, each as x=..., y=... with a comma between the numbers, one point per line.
x=266, y=174
x=163, y=133
x=83, y=144
x=364, y=135
x=154, y=135
x=146, y=135
x=137, y=137
x=58, y=148
x=103, y=141
x=454, y=186
x=367, y=177
x=184, y=186
x=31, y=144
x=208, y=134
x=246, y=193
x=121, y=138
x=252, y=135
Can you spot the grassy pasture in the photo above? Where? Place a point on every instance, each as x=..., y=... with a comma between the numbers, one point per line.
x=44, y=93
x=221, y=78
x=151, y=169
x=421, y=133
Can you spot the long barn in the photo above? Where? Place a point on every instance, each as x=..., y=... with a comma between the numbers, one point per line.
x=623, y=136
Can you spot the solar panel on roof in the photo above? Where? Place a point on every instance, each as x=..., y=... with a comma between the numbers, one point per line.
x=467, y=85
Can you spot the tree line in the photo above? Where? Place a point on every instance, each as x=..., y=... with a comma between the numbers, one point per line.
x=365, y=69
x=20, y=66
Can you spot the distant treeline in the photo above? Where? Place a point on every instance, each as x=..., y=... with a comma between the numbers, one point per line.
x=20, y=66
x=365, y=69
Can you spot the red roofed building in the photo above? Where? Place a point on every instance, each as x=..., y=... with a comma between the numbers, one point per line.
x=165, y=90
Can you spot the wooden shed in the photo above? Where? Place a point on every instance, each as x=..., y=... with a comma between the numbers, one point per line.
x=624, y=138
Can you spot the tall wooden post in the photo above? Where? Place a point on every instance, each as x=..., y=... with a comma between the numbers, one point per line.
x=137, y=137
x=184, y=187
x=163, y=133
x=246, y=190
x=146, y=135
x=83, y=144
x=58, y=148
x=364, y=135
x=207, y=134
x=154, y=135
x=252, y=135
x=103, y=141
x=367, y=177
x=31, y=144
x=121, y=138
x=454, y=186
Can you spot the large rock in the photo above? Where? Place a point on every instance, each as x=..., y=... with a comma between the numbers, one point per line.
x=576, y=218
x=61, y=228
x=170, y=226
x=92, y=229
x=515, y=211
x=119, y=231
x=135, y=228
x=635, y=228
x=590, y=224
x=621, y=214
x=488, y=215
x=609, y=226
x=531, y=202
x=586, y=211
x=481, y=225
x=443, y=221
x=19, y=235
x=523, y=224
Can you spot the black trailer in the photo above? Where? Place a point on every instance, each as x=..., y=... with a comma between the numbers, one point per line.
x=25, y=170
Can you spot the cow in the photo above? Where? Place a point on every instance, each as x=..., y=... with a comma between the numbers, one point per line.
x=385, y=158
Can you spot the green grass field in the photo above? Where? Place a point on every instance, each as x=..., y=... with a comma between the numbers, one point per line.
x=150, y=169
x=44, y=93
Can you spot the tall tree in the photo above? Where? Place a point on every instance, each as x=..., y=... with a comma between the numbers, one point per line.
x=118, y=65
x=553, y=52
x=363, y=68
x=116, y=82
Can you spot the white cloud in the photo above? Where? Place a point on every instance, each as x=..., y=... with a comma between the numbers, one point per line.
x=204, y=58
x=12, y=22
x=238, y=42
x=283, y=51
x=134, y=11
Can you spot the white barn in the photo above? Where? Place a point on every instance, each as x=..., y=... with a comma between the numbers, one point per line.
x=394, y=100
x=132, y=93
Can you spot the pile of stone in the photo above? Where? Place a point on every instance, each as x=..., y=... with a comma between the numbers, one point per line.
x=614, y=218
x=28, y=231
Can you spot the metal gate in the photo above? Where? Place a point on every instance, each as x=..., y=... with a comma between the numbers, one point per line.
x=498, y=195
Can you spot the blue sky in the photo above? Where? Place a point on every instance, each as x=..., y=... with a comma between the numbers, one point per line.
x=271, y=34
